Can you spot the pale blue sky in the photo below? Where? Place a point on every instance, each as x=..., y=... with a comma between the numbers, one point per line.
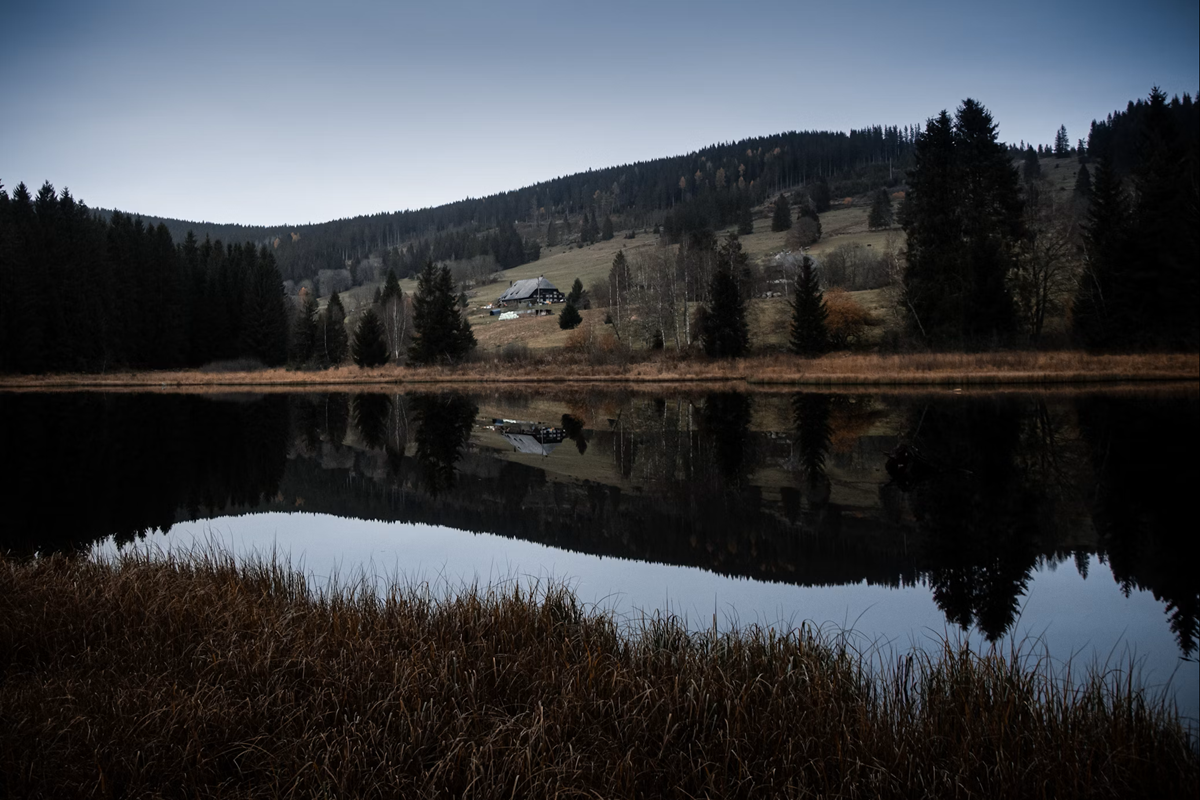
x=271, y=113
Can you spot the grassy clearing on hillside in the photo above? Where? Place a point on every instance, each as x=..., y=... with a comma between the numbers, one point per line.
x=195, y=677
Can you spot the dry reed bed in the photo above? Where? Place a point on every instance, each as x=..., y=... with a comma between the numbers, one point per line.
x=937, y=369
x=193, y=677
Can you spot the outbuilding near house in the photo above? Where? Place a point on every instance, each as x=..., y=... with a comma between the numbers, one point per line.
x=532, y=290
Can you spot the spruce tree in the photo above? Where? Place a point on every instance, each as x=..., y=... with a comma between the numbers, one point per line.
x=607, y=231
x=725, y=332
x=304, y=333
x=1062, y=144
x=551, y=233
x=575, y=293
x=782, y=218
x=441, y=334
x=810, y=335
x=1031, y=168
x=881, y=211
x=391, y=288
x=962, y=215
x=745, y=219
x=369, y=348
x=821, y=196
x=334, y=343
x=1083, y=183
x=1101, y=315
x=569, y=318
x=264, y=317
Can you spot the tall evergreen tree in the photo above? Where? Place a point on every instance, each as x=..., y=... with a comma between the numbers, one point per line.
x=334, y=341
x=745, y=218
x=264, y=334
x=304, y=333
x=606, y=232
x=880, y=215
x=1102, y=315
x=551, y=233
x=781, y=220
x=569, y=318
x=1031, y=167
x=369, y=349
x=821, y=196
x=575, y=293
x=1083, y=183
x=1165, y=218
x=810, y=335
x=441, y=334
x=725, y=332
x=1062, y=144
x=962, y=214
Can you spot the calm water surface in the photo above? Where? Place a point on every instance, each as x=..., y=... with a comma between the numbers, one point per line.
x=1066, y=519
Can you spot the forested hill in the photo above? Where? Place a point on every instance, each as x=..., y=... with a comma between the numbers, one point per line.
x=641, y=192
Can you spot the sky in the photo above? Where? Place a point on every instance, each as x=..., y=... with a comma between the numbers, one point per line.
x=297, y=112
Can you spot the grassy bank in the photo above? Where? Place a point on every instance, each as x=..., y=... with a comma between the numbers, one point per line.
x=196, y=678
x=913, y=369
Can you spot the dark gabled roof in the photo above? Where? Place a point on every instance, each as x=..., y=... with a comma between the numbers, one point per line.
x=522, y=290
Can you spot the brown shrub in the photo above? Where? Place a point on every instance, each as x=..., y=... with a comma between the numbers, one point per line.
x=847, y=320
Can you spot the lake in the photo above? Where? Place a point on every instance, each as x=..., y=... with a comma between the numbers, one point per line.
x=1055, y=521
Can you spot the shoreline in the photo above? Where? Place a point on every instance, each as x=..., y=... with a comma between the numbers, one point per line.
x=876, y=371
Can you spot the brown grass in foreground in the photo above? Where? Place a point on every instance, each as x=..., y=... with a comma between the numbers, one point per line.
x=932, y=369
x=196, y=678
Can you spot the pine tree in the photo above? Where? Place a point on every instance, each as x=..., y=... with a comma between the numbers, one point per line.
x=569, y=318
x=441, y=334
x=391, y=288
x=334, y=342
x=1062, y=144
x=1083, y=183
x=821, y=196
x=1101, y=315
x=607, y=232
x=551, y=233
x=745, y=218
x=304, y=333
x=1164, y=273
x=881, y=211
x=810, y=336
x=575, y=293
x=369, y=348
x=1031, y=168
x=725, y=332
x=264, y=329
x=962, y=215
x=782, y=218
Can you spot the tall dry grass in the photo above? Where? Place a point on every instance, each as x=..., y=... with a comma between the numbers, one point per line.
x=193, y=677
x=611, y=362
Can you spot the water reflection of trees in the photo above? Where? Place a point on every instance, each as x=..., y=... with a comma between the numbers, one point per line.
x=977, y=503
x=93, y=465
x=1008, y=483
x=442, y=427
x=1143, y=452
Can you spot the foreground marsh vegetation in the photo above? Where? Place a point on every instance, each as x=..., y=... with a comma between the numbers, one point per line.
x=196, y=677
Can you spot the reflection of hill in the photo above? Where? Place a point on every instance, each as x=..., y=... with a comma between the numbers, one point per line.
x=732, y=535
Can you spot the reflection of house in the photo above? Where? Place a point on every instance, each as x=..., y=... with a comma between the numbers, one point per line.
x=532, y=443
x=529, y=437
x=533, y=290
